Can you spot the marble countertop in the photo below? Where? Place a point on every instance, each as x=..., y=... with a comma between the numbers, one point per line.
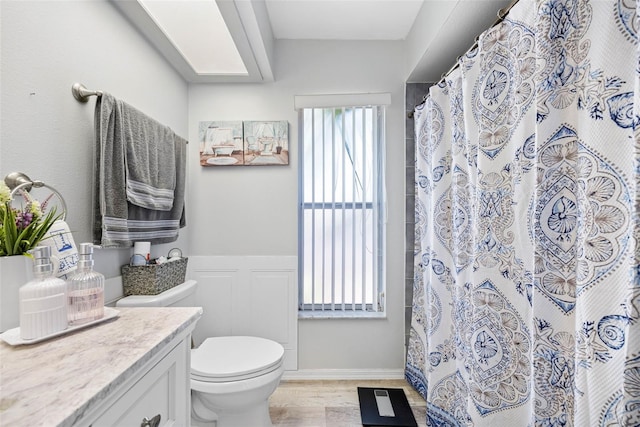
x=56, y=382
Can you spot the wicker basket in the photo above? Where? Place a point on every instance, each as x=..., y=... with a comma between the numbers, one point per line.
x=153, y=279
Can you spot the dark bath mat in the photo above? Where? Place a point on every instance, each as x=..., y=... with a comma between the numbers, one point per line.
x=394, y=409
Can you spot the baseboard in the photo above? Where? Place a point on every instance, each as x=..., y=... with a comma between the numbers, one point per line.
x=344, y=374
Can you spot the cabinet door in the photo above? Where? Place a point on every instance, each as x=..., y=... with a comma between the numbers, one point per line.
x=163, y=391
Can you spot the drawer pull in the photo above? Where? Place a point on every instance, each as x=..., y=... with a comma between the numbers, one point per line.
x=153, y=422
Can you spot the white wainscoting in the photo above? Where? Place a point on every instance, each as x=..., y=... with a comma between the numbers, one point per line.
x=248, y=295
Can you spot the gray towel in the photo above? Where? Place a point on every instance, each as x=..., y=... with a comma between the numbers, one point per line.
x=117, y=221
x=150, y=160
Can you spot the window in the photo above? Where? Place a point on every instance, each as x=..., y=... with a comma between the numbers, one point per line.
x=341, y=224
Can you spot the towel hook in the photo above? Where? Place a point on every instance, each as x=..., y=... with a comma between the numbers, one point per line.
x=82, y=94
x=17, y=181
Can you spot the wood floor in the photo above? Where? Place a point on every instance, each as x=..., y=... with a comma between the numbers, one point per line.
x=331, y=403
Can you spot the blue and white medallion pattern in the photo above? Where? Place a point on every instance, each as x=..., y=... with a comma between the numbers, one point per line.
x=495, y=346
x=626, y=16
x=568, y=77
x=504, y=91
x=454, y=219
x=420, y=224
x=414, y=372
x=429, y=137
x=580, y=218
x=526, y=303
x=621, y=410
x=554, y=375
x=494, y=218
x=448, y=404
x=621, y=110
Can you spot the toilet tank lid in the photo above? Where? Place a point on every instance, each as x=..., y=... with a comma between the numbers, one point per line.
x=228, y=357
x=163, y=299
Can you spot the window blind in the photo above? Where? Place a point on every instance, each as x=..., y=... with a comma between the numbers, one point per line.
x=340, y=221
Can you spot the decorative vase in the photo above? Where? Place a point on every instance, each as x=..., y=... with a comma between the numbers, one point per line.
x=15, y=271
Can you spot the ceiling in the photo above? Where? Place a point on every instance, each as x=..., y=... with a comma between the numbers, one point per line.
x=435, y=31
x=342, y=19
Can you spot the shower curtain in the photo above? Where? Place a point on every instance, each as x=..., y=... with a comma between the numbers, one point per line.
x=526, y=302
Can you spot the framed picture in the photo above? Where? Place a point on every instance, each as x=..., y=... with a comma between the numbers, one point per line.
x=221, y=143
x=266, y=143
x=248, y=143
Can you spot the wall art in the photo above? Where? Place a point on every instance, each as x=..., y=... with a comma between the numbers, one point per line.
x=244, y=143
x=266, y=143
x=221, y=143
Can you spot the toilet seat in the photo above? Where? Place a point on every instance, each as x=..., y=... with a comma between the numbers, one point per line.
x=228, y=359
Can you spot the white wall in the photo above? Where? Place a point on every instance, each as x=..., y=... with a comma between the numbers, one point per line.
x=423, y=32
x=252, y=210
x=243, y=211
x=442, y=32
x=45, y=48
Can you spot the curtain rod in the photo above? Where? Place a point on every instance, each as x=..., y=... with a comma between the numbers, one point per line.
x=502, y=13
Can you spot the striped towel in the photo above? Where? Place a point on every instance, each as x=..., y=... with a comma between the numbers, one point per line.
x=118, y=220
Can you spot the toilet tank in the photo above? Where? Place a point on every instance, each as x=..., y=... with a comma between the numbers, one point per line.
x=182, y=295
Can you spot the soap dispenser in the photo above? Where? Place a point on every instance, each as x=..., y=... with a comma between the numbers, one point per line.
x=43, y=300
x=86, y=289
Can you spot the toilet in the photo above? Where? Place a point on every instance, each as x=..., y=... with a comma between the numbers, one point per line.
x=232, y=377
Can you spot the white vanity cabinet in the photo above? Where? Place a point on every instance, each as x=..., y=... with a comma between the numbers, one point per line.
x=156, y=397
x=123, y=372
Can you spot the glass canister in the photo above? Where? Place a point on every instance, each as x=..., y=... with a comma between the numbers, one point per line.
x=85, y=289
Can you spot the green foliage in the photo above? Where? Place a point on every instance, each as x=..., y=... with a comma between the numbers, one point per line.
x=22, y=229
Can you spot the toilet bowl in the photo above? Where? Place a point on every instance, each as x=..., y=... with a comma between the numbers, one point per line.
x=232, y=377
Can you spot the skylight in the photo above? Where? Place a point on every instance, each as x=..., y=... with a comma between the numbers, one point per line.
x=198, y=31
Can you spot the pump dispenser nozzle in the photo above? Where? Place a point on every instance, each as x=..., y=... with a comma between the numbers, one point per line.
x=85, y=255
x=42, y=260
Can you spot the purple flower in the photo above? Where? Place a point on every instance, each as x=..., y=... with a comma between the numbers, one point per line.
x=23, y=219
